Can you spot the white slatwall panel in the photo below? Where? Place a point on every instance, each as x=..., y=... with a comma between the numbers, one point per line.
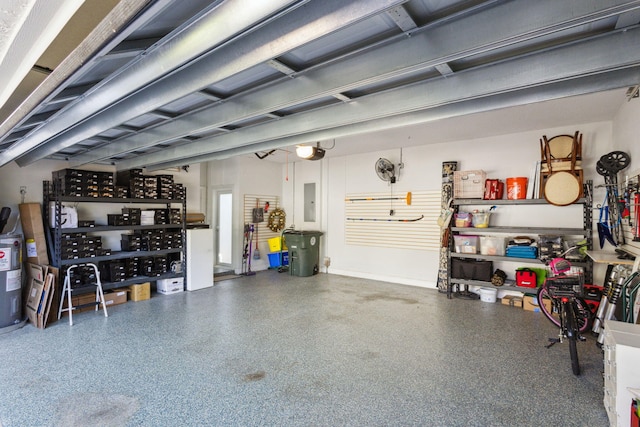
x=375, y=227
x=250, y=200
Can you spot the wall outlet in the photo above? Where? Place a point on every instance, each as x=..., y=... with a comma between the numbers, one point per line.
x=327, y=261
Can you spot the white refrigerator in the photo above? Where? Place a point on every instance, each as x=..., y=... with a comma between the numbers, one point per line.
x=200, y=258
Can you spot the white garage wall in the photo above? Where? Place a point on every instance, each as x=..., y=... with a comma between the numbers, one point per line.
x=244, y=175
x=500, y=156
x=626, y=132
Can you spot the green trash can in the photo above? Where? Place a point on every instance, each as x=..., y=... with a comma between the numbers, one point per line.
x=304, y=252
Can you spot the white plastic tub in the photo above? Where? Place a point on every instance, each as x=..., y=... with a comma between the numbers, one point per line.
x=488, y=294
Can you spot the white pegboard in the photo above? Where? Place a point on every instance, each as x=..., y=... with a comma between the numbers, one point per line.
x=369, y=223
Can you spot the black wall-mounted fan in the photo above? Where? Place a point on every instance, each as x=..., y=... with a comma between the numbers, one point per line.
x=386, y=170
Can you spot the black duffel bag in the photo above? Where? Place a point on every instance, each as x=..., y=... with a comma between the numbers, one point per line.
x=471, y=269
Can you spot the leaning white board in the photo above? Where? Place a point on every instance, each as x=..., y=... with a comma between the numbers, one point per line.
x=200, y=259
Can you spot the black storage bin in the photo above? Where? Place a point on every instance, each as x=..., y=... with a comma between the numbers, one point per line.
x=470, y=269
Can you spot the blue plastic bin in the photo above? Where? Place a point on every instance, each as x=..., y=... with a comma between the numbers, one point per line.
x=274, y=259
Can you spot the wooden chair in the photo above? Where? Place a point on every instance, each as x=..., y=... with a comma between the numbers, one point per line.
x=562, y=156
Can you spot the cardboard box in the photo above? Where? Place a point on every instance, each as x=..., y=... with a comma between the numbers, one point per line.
x=33, y=230
x=33, y=300
x=512, y=300
x=115, y=297
x=530, y=303
x=139, y=292
x=84, y=302
x=170, y=286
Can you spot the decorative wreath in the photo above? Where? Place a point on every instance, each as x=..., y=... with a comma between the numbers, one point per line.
x=276, y=220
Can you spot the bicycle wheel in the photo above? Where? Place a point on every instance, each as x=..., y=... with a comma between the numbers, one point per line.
x=583, y=315
x=573, y=350
x=572, y=335
x=551, y=314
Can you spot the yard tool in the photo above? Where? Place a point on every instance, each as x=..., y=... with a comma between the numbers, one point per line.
x=256, y=252
x=251, y=230
x=636, y=219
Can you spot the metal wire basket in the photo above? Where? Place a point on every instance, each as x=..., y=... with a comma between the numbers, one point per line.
x=569, y=286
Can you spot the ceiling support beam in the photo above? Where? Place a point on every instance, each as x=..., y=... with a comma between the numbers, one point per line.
x=594, y=56
x=183, y=45
x=100, y=40
x=553, y=91
x=426, y=48
x=259, y=45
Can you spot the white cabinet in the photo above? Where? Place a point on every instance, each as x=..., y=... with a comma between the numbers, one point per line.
x=621, y=369
x=200, y=258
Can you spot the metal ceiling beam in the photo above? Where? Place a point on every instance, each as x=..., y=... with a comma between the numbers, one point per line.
x=594, y=56
x=564, y=89
x=70, y=93
x=430, y=47
x=131, y=48
x=111, y=31
x=181, y=46
x=259, y=45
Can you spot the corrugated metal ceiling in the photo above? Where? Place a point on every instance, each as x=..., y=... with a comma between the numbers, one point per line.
x=190, y=81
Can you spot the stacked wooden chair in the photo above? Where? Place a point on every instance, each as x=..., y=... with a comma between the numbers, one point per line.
x=561, y=175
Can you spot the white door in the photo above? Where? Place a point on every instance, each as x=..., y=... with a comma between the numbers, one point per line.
x=224, y=228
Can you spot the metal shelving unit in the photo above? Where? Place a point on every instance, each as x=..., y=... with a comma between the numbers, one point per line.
x=54, y=237
x=586, y=231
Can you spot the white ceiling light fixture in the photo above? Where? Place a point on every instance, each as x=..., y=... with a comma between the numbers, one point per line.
x=309, y=152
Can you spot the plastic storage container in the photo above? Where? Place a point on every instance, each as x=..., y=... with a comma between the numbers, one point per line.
x=488, y=294
x=274, y=259
x=463, y=219
x=492, y=245
x=275, y=244
x=466, y=244
x=481, y=219
x=469, y=184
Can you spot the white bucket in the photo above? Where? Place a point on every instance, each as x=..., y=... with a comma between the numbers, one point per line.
x=488, y=294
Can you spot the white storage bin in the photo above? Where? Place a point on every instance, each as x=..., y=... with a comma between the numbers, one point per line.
x=170, y=286
x=488, y=294
x=492, y=245
x=466, y=244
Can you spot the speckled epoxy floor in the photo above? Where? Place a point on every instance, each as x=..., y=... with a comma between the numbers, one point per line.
x=278, y=350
